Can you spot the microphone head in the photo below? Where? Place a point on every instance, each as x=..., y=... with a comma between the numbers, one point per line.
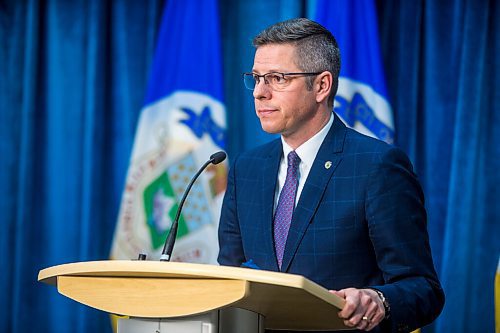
x=218, y=157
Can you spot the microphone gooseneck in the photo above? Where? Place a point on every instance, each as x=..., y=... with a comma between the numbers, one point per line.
x=166, y=254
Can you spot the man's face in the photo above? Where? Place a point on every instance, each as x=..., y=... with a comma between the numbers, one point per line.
x=287, y=112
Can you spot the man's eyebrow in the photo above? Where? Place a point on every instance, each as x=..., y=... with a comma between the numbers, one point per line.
x=269, y=71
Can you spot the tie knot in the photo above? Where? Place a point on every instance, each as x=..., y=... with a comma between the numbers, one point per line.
x=293, y=159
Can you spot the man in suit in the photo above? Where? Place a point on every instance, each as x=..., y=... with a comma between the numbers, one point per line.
x=324, y=201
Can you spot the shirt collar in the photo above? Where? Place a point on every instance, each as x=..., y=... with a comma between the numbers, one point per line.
x=309, y=149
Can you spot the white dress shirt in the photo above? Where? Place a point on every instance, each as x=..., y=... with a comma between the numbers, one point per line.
x=307, y=153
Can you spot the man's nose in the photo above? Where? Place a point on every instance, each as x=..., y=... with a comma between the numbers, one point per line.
x=261, y=90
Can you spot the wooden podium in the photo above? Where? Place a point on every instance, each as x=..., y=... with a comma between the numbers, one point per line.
x=163, y=291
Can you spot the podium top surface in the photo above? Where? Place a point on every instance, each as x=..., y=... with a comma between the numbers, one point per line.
x=159, y=269
x=170, y=289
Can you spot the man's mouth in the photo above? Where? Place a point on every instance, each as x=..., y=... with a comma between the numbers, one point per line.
x=265, y=111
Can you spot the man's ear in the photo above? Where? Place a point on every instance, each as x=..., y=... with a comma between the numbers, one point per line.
x=323, y=85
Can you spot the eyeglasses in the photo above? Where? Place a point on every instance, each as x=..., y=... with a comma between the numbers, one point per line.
x=275, y=80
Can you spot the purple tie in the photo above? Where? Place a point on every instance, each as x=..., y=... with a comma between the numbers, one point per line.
x=286, y=204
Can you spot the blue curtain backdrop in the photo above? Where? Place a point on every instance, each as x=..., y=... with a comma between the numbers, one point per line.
x=443, y=73
x=72, y=81
x=73, y=77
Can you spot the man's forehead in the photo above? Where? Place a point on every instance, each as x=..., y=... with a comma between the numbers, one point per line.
x=275, y=57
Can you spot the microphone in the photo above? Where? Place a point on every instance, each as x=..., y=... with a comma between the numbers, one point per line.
x=216, y=158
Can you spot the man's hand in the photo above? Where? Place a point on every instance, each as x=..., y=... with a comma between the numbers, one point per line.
x=363, y=308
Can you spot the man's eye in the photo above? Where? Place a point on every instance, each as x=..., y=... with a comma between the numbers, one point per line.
x=275, y=78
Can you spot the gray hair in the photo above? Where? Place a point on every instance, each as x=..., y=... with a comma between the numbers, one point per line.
x=316, y=48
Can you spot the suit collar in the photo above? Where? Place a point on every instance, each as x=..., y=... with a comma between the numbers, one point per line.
x=269, y=179
x=327, y=159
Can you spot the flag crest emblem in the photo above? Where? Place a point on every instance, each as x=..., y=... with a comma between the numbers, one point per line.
x=175, y=136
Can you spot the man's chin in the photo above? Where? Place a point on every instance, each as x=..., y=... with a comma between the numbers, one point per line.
x=270, y=129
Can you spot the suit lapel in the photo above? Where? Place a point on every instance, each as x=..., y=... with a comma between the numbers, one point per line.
x=269, y=178
x=327, y=159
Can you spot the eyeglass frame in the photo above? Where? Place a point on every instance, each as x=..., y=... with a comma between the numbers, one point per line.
x=253, y=75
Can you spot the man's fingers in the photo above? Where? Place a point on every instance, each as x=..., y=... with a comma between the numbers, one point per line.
x=339, y=293
x=379, y=316
x=352, y=299
x=361, y=318
x=354, y=321
x=361, y=310
x=369, y=320
x=371, y=311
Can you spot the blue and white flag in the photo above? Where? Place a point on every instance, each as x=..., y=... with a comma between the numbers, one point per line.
x=361, y=100
x=182, y=123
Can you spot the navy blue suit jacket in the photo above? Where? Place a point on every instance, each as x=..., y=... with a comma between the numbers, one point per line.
x=359, y=223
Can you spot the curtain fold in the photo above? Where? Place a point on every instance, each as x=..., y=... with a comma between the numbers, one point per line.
x=441, y=58
x=72, y=85
x=470, y=250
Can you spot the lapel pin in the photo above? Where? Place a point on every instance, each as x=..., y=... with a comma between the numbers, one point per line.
x=328, y=164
